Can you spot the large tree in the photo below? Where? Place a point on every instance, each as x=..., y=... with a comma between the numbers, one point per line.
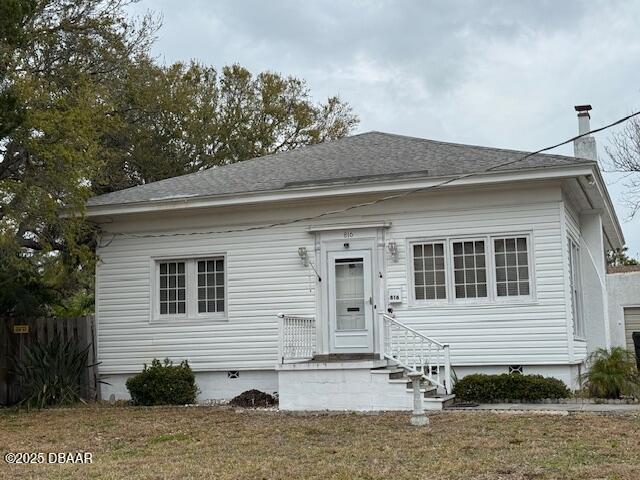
x=84, y=110
x=57, y=58
x=184, y=118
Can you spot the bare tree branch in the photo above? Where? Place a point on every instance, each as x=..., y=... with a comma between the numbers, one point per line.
x=623, y=156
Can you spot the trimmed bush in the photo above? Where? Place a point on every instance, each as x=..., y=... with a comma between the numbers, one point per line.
x=491, y=388
x=612, y=374
x=163, y=384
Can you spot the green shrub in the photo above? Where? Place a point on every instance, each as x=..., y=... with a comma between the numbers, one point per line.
x=163, y=384
x=490, y=388
x=612, y=373
x=50, y=373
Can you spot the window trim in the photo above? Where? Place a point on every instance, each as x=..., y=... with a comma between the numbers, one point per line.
x=492, y=294
x=411, y=268
x=186, y=288
x=191, y=284
x=489, y=275
x=198, y=314
x=514, y=298
x=580, y=321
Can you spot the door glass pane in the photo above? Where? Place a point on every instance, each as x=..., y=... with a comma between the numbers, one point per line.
x=350, y=301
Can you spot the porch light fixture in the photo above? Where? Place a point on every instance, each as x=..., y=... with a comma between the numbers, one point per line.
x=304, y=256
x=392, y=247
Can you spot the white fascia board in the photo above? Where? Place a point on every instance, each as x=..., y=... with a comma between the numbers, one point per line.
x=346, y=226
x=311, y=192
x=610, y=210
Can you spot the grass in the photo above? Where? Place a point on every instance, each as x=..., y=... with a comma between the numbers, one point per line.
x=186, y=443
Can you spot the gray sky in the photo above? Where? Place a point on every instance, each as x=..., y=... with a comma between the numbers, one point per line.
x=495, y=73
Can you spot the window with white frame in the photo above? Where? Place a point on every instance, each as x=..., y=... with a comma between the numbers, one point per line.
x=429, y=271
x=576, y=291
x=512, y=266
x=469, y=269
x=460, y=269
x=173, y=289
x=211, y=285
x=191, y=288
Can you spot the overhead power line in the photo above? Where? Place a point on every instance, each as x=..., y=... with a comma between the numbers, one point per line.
x=572, y=139
x=381, y=199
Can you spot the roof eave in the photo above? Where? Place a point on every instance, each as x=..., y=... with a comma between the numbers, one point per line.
x=318, y=191
x=609, y=208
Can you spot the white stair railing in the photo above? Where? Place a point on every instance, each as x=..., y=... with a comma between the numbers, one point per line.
x=296, y=338
x=416, y=352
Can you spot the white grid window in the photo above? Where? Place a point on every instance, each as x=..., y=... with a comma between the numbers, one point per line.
x=458, y=270
x=576, y=291
x=173, y=288
x=469, y=269
x=512, y=266
x=211, y=285
x=190, y=288
x=429, y=271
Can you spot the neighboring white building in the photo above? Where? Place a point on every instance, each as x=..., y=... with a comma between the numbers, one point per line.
x=487, y=257
x=623, y=286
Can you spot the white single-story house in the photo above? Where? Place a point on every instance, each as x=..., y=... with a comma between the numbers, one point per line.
x=329, y=272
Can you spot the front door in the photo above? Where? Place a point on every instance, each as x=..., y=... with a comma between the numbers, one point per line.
x=350, y=301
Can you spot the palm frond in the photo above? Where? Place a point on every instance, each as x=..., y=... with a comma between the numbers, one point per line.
x=612, y=374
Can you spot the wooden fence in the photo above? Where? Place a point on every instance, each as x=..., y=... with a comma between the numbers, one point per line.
x=17, y=335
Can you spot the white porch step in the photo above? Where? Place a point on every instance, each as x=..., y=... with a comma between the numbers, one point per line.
x=387, y=370
x=439, y=402
x=354, y=385
x=431, y=398
x=403, y=380
x=430, y=391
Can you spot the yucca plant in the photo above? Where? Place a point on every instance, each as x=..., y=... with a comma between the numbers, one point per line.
x=51, y=372
x=612, y=374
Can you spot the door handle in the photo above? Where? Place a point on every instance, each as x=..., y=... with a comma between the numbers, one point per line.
x=370, y=300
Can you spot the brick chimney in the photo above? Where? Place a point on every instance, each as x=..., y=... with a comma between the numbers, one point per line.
x=585, y=147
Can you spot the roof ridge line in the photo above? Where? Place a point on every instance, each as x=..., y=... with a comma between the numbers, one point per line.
x=484, y=147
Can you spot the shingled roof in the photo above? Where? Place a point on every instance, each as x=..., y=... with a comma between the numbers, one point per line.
x=365, y=157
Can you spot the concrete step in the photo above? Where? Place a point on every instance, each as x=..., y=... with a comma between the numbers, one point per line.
x=430, y=391
x=343, y=357
x=438, y=402
x=431, y=398
x=387, y=370
x=400, y=380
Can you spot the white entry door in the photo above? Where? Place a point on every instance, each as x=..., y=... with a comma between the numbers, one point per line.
x=350, y=302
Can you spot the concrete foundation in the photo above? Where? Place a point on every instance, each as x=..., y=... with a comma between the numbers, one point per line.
x=214, y=386
x=569, y=374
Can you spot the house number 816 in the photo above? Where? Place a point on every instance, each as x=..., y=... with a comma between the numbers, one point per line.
x=348, y=234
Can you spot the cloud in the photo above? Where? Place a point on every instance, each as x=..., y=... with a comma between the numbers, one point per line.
x=498, y=73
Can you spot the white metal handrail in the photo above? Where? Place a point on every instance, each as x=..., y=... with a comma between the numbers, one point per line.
x=296, y=338
x=416, y=352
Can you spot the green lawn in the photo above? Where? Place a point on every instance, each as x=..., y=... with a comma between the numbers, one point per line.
x=203, y=442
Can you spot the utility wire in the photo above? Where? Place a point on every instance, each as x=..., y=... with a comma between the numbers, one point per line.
x=381, y=199
x=612, y=124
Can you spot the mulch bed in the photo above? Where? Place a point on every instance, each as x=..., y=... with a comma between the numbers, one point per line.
x=253, y=399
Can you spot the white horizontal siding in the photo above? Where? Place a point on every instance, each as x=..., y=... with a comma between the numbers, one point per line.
x=265, y=276
x=531, y=332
